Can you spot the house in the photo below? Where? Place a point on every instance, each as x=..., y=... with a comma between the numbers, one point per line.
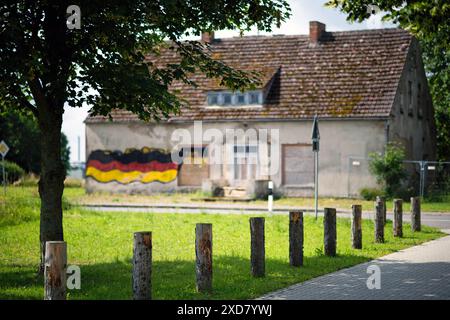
x=366, y=87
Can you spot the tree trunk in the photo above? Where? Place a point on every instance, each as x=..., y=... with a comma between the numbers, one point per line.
x=51, y=182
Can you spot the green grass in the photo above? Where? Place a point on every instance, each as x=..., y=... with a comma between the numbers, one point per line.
x=101, y=244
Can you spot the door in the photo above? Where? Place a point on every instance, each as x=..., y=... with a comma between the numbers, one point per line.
x=298, y=165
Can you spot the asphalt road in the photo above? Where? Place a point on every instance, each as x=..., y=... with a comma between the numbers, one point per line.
x=438, y=220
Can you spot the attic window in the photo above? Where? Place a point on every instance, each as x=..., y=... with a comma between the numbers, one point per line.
x=230, y=99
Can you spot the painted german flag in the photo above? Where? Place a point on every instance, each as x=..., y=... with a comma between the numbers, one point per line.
x=145, y=166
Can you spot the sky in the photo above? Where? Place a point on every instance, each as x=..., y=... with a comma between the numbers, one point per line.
x=302, y=12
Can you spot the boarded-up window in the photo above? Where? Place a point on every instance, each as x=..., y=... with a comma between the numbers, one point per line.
x=298, y=165
x=195, y=169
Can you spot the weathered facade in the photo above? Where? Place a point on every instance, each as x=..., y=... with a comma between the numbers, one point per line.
x=367, y=87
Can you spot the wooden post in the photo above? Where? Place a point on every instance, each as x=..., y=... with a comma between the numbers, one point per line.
x=398, y=218
x=296, y=238
x=257, y=256
x=379, y=220
x=356, y=226
x=415, y=214
x=329, y=231
x=142, y=266
x=382, y=202
x=203, y=255
x=55, y=270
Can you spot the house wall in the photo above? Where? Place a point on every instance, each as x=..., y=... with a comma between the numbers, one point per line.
x=342, y=143
x=412, y=117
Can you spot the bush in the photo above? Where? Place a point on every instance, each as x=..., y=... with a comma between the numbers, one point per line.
x=13, y=172
x=388, y=169
x=370, y=193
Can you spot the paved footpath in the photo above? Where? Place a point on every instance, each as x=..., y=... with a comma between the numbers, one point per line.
x=420, y=272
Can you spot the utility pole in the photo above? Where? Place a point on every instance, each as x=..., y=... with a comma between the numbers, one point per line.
x=315, y=147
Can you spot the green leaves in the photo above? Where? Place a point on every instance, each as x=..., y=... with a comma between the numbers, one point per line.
x=105, y=65
x=429, y=21
x=389, y=168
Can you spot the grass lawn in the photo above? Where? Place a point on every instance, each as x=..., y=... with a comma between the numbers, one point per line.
x=101, y=244
x=78, y=195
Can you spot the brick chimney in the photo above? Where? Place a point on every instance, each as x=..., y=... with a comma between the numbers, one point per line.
x=316, y=31
x=207, y=37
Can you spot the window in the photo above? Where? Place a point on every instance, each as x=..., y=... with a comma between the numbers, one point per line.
x=254, y=98
x=245, y=162
x=240, y=99
x=213, y=99
x=227, y=98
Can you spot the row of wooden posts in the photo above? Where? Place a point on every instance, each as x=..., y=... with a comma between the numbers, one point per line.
x=56, y=256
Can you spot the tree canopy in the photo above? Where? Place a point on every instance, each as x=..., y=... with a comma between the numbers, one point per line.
x=21, y=132
x=429, y=21
x=45, y=65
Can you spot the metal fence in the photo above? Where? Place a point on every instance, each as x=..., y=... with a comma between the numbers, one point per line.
x=429, y=179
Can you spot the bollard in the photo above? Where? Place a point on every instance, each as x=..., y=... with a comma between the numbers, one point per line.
x=203, y=255
x=329, y=231
x=356, y=226
x=55, y=270
x=257, y=255
x=142, y=266
x=415, y=214
x=398, y=218
x=379, y=220
x=296, y=238
x=382, y=201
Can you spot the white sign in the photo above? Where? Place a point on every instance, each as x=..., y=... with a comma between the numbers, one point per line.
x=431, y=168
x=3, y=148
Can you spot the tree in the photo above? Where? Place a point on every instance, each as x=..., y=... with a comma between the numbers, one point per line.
x=429, y=21
x=24, y=143
x=45, y=65
x=388, y=168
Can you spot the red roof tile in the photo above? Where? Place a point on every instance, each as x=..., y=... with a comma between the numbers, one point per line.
x=351, y=74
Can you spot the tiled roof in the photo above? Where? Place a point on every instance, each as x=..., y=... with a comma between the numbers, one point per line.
x=351, y=74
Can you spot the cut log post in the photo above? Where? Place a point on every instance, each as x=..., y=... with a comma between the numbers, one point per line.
x=379, y=220
x=415, y=214
x=296, y=238
x=329, y=231
x=142, y=266
x=203, y=255
x=55, y=270
x=258, y=254
x=356, y=226
x=382, y=201
x=398, y=218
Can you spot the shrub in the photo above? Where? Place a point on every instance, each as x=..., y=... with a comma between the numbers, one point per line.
x=388, y=168
x=370, y=193
x=13, y=172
